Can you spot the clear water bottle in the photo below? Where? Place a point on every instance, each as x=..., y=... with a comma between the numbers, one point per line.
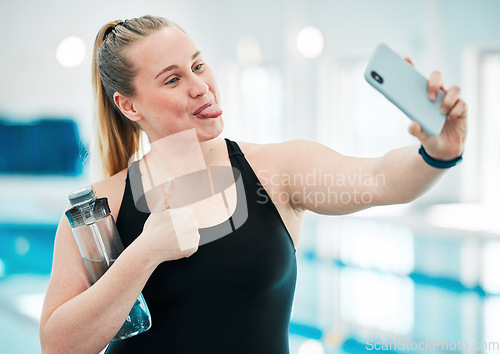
x=100, y=245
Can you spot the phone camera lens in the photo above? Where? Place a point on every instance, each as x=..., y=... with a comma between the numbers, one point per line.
x=377, y=77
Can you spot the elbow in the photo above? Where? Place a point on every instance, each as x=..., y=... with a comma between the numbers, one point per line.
x=54, y=342
x=47, y=349
x=57, y=345
x=390, y=197
x=43, y=339
x=51, y=343
x=46, y=346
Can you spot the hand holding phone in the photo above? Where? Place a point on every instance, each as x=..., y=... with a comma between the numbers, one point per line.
x=406, y=88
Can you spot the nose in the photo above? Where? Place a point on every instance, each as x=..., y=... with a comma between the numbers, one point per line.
x=198, y=86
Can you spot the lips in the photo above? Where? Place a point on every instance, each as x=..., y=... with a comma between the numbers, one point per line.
x=208, y=110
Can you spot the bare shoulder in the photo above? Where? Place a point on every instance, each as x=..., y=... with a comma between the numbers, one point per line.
x=282, y=149
x=112, y=188
x=279, y=157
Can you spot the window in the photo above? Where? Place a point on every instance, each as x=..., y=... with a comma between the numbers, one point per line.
x=481, y=180
x=489, y=120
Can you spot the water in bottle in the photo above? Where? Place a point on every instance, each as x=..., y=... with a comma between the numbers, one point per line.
x=100, y=245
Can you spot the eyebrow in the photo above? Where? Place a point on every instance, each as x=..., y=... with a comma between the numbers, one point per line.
x=173, y=67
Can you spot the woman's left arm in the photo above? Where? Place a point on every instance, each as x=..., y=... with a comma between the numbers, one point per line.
x=320, y=179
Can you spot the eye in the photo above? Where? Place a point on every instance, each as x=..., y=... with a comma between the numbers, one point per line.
x=198, y=67
x=172, y=81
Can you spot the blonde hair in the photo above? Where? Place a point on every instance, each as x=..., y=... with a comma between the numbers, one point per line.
x=117, y=138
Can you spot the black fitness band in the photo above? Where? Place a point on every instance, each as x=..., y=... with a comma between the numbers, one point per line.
x=438, y=163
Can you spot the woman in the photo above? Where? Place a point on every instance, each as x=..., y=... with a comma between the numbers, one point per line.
x=232, y=295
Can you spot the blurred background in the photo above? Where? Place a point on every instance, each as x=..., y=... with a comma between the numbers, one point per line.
x=286, y=69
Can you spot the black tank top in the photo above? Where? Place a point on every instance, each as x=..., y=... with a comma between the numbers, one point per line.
x=234, y=295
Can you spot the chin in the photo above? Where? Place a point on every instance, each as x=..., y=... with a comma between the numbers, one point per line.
x=207, y=133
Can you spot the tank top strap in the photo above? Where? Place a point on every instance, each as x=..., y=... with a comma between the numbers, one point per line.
x=233, y=148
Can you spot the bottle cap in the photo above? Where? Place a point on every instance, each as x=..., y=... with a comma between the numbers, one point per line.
x=85, y=208
x=81, y=195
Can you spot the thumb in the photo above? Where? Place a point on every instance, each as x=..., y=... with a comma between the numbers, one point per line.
x=416, y=130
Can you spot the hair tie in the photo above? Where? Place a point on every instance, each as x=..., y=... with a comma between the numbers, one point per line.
x=112, y=28
x=122, y=23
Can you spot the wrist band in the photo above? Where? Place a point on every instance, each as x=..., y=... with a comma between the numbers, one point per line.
x=439, y=163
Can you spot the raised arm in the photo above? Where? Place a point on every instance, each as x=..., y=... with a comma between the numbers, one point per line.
x=320, y=179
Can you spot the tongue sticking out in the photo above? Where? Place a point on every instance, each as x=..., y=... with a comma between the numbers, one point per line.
x=212, y=111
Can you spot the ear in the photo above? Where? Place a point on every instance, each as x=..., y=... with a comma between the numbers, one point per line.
x=126, y=106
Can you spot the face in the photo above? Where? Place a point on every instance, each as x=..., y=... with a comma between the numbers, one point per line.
x=173, y=87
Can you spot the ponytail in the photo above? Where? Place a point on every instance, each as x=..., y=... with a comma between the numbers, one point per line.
x=117, y=138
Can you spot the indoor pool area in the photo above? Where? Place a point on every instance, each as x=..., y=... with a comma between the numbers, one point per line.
x=377, y=119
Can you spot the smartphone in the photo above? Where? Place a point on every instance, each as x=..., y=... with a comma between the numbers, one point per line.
x=405, y=87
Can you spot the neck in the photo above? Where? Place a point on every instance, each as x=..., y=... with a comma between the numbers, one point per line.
x=211, y=151
x=183, y=152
